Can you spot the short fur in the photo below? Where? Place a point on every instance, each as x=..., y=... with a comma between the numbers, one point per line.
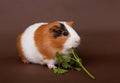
x=39, y=42
x=21, y=55
x=46, y=43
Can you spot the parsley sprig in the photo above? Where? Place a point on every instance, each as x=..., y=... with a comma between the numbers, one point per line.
x=73, y=63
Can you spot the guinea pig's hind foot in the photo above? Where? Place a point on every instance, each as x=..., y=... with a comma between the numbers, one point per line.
x=25, y=61
x=50, y=66
x=51, y=63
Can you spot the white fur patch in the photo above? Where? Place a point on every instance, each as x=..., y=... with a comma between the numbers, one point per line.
x=51, y=63
x=28, y=45
x=31, y=52
x=71, y=41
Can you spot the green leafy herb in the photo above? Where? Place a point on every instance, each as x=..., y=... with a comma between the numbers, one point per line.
x=67, y=59
x=60, y=59
x=79, y=61
x=73, y=63
x=77, y=68
x=60, y=71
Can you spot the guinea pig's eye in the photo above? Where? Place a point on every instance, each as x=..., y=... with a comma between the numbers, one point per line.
x=57, y=33
x=65, y=33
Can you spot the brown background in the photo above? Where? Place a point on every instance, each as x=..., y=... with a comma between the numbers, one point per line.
x=96, y=21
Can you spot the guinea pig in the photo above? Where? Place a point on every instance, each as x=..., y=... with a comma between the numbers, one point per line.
x=39, y=42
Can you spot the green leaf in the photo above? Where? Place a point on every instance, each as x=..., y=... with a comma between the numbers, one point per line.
x=66, y=65
x=70, y=62
x=67, y=59
x=60, y=59
x=60, y=71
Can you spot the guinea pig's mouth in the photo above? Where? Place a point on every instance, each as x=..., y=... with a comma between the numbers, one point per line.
x=75, y=48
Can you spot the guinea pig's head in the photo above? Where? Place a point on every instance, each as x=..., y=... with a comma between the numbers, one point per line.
x=63, y=36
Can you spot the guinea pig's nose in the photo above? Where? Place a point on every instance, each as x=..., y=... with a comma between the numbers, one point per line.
x=77, y=41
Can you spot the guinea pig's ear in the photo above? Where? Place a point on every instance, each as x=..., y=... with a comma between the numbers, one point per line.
x=53, y=28
x=56, y=31
x=70, y=23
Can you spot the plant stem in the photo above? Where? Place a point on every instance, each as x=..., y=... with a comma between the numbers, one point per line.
x=80, y=64
x=86, y=70
x=73, y=53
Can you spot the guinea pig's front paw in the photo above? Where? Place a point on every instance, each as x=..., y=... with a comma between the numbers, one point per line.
x=25, y=61
x=51, y=66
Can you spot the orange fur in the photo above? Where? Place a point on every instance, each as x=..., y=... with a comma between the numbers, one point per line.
x=70, y=23
x=46, y=43
x=21, y=55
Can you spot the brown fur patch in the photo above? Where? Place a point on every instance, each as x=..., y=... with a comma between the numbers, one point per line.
x=70, y=23
x=46, y=43
x=21, y=55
